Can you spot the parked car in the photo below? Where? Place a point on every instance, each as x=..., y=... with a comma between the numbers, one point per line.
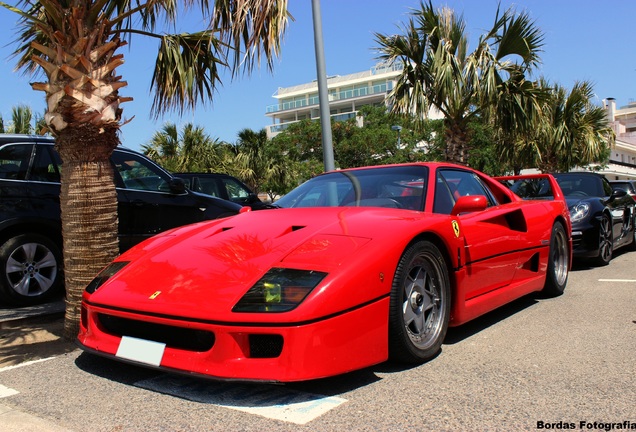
x=628, y=185
x=356, y=266
x=150, y=201
x=223, y=186
x=602, y=216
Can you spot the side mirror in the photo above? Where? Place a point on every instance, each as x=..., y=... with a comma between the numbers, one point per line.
x=469, y=204
x=177, y=185
x=618, y=193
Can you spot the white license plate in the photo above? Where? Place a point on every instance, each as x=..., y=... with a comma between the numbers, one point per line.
x=141, y=350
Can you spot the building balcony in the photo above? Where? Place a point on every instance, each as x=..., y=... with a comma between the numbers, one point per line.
x=273, y=130
x=348, y=95
x=617, y=170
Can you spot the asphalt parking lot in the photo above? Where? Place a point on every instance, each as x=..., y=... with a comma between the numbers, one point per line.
x=536, y=364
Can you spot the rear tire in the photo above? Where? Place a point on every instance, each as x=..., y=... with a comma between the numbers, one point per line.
x=30, y=270
x=420, y=304
x=558, y=262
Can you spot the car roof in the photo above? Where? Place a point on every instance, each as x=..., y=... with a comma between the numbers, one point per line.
x=19, y=138
x=42, y=139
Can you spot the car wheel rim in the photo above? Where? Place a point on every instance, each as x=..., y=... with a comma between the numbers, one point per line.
x=605, y=240
x=422, y=302
x=31, y=269
x=560, y=259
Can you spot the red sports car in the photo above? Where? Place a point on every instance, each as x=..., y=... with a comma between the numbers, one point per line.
x=356, y=267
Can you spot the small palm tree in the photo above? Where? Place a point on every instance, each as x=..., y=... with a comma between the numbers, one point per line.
x=22, y=117
x=77, y=47
x=439, y=72
x=23, y=121
x=251, y=162
x=574, y=131
x=190, y=150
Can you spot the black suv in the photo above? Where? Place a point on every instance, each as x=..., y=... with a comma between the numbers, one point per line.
x=150, y=201
x=223, y=186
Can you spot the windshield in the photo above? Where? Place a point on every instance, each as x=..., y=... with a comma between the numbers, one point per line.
x=580, y=185
x=395, y=187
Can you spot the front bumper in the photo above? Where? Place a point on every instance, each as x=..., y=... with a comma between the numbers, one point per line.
x=274, y=352
x=585, y=239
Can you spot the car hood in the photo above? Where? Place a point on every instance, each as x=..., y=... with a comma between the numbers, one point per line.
x=203, y=270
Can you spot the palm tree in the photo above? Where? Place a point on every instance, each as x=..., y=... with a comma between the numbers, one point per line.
x=515, y=117
x=22, y=117
x=189, y=150
x=77, y=45
x=253, y=162
x=22, y=121
x=574, y=131
x=439, y=72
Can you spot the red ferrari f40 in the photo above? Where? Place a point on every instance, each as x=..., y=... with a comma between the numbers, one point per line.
x=354, y=267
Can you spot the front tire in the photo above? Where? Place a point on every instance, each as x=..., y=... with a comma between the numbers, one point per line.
x=420, y=304
x=632, y=245
x=605, y=242
x=558, y=262
x=30, y=266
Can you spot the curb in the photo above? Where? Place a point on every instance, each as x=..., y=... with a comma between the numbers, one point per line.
x=16, y=315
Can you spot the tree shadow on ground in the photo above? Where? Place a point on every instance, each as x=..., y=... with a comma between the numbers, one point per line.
x=32, y=339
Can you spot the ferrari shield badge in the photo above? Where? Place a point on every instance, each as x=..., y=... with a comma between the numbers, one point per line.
x=455, y=228
x=154, y=295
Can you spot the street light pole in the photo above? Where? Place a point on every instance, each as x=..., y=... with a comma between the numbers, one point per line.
x=323, y=95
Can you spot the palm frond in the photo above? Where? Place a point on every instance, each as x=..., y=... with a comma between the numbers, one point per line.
x=251, y=29
x=186, y=71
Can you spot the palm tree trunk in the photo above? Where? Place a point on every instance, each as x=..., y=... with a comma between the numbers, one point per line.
x=88, y=202
x=456, y=144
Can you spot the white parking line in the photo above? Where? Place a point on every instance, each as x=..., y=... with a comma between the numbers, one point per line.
x=268, y=401
x=6, y=391
x=617, y=280
x=29, y=363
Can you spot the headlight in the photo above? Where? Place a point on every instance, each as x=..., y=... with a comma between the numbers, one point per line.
x=104, y=275
x=280, y=290
x=579, y=211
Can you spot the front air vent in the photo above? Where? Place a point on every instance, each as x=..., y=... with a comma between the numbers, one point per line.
x=265, y=346
x=174, y=337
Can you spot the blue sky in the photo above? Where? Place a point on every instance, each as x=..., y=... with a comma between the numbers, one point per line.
x=584, y=40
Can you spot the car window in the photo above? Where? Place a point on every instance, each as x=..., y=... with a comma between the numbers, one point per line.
x=452, y=184
x=14, y=161
x=137, y=174
x=531, y=188
x=46, y=168
x=622, y=185
x=235, y=190
x=207, y=185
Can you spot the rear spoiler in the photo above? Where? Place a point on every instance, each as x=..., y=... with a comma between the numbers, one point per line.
x=533, y=186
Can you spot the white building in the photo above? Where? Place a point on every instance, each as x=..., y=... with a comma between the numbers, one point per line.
x=347, y=94
x=622, y=160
